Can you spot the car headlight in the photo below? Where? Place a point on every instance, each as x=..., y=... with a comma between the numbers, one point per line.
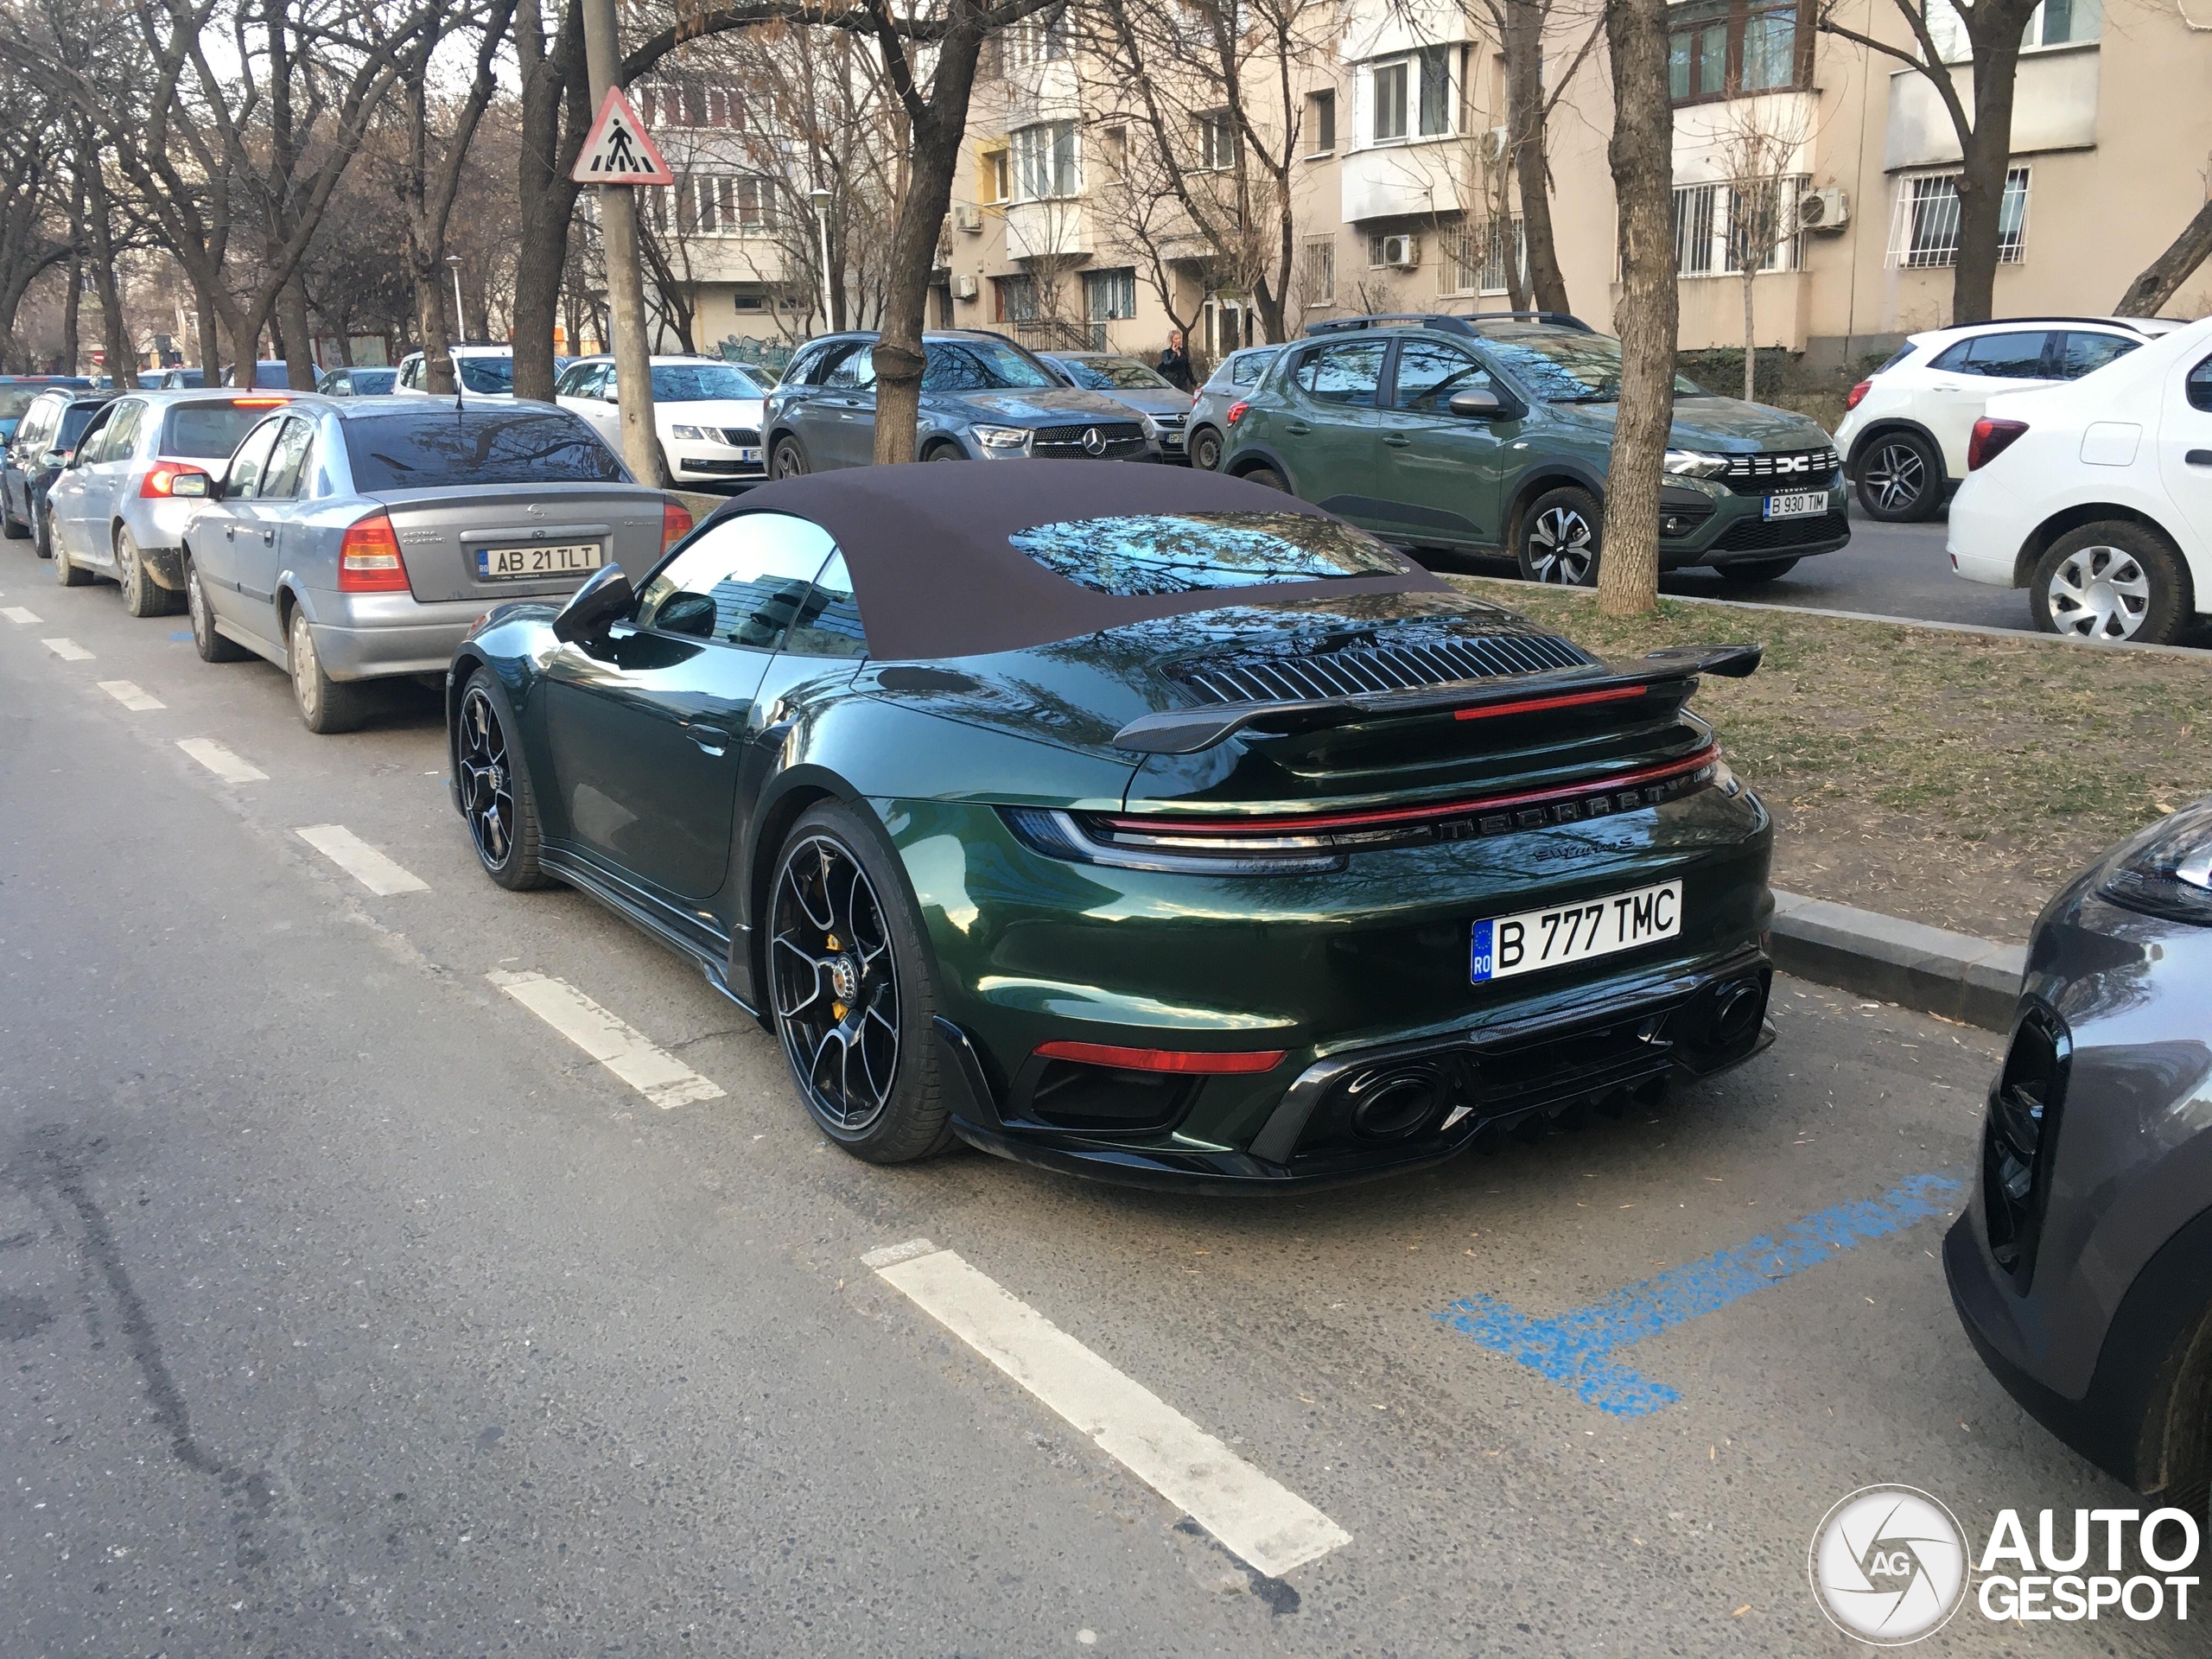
x=1694, y=463
x=690, y=432
x=1151, y=426
x=1002, y=437
x=2168, y=871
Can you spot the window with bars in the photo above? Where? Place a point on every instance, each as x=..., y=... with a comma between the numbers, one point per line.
x=1924, y=234
x=1013, y=299
x=1721, y=228
x=1110, y=295
x=1317, y=269
x=1474, y=257
x=715, y=204
x=1045, y=161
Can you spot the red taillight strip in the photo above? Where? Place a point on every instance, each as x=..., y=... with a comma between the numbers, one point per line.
x=1185, y=1061
x=1322, y=822
x=1529, y=706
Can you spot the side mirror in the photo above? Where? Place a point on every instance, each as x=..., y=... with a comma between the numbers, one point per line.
x=606, y=597
x=1478, y=405
x=64, y=458
x=192, y=486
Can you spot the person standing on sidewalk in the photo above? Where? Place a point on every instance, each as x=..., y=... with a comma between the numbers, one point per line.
x=1173, y=365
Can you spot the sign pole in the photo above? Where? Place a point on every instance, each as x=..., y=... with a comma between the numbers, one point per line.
x=625, y=287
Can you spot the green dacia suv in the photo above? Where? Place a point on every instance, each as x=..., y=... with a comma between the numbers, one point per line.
x=1492, y=433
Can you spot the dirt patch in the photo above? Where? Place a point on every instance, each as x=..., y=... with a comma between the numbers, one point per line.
x=1952, y=778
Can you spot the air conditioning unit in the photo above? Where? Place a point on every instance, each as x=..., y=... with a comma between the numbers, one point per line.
x=1823, y=210
x=1403, y=252
x=967, y=216
x=963, y=287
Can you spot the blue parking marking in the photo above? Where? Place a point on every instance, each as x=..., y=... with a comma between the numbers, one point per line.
x=1576, y=1348
x=187, y=634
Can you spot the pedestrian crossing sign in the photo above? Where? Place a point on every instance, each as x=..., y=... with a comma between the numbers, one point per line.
x=618, y=150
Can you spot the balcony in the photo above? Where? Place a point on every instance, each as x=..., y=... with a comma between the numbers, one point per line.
x=1401, y=181
x=2054, y=107
x=1057, y=229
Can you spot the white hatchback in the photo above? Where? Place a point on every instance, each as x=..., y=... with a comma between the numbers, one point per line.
x=2097, y=496
x=486, y=374
x=706, y=412
x=1904, y=429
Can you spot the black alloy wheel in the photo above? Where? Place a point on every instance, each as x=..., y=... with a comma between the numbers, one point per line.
x=1900, y=479
x=1557, y=539
x=494, y=788
x=789, y=461
x=851, y=992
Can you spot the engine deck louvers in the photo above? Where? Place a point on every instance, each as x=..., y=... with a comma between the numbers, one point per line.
x=1395, y=665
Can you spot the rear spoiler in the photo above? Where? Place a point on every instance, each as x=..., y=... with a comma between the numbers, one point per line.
x=1187, y=731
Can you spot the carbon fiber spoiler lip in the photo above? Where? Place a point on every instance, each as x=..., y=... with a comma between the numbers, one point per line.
x=1189, y=731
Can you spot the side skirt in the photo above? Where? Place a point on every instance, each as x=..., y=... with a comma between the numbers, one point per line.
x=594, y=883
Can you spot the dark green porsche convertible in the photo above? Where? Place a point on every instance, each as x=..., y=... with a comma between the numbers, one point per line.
x=1136, y=821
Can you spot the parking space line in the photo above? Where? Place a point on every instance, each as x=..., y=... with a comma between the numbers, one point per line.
x=653, y=1072
x=17, y=614
x=127, y=693
x=1262, y=1522
x=220, y=761
x=67, y=650
x=379, y=874
x=1576, y=1347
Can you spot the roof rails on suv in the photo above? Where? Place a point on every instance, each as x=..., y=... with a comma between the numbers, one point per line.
x=1449, y=322
x=1998, y=322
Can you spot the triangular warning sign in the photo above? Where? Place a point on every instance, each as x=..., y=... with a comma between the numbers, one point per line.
x=618, y=150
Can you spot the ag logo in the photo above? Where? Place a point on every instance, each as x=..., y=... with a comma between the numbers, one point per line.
x=1094, y=442
x=1888, y=1566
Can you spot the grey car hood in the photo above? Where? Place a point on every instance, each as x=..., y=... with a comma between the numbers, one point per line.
x=1045, y=406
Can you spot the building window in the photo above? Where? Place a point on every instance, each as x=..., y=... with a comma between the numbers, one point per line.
x=756, y=206
x=1041, y=38
x=1320, y=122
x=1045, y=161
x=1472, y=257
x=1723, y=51
x=1110, y=295
x=1013, y=299
x=1718, y=227
x=2065, y=22
x=1435, y=90
x=1925, y=233
x=1317, y=269
x=1389, y=101
x=994, y=175
x=1114, y=148
x=1217, y=142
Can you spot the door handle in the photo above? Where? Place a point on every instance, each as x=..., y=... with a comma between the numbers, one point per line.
x=1396, y=440
x=230, y=532
x=268, y=537
x=710, y=738
x=2199, y=457
x=1296, y=429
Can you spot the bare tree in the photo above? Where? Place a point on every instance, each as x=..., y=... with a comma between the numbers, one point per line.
x=1760, y=143
x=2162, y=277
x=1993, y=30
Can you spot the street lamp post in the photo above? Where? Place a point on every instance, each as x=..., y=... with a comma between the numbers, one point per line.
x=459, y=323
x=822, y=198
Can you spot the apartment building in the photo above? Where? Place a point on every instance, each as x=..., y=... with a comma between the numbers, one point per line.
x=1399, y=206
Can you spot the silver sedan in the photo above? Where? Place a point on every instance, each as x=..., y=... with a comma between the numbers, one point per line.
x=359, y=538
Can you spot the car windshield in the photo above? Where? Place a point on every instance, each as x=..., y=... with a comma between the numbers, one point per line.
x=1192, y=552
x=979, y=365
x=14, y=400
x=1562, y=366
x=209, y=431
x=1114, y=374
x=486, y=374
x=696, y=383
x=444, y=445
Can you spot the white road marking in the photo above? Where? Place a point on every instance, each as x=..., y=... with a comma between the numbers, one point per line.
x=653, y=1072
x=220, y=761
x=379, y=875
x=128, y=693
x=17, y=614
x=1263, y=1522
x=67, y=650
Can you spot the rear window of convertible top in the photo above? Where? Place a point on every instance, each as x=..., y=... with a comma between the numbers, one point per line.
x=1193, y=552
x=442, y=445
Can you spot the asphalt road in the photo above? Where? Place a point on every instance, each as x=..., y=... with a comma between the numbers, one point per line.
x=346, y=1306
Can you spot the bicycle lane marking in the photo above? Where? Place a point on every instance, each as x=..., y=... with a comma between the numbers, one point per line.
x=1575, y=1349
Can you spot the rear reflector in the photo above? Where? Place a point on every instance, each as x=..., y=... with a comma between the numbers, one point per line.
x=1991, y=438
x=1182, y=1061
x=160, y=481
x=675, y=524
x=1534, y=705
x=368, y=559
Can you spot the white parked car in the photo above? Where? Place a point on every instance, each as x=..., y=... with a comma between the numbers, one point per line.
x=706, y=411
x=2097, y=496
x=1904, y=429
x=486, y=374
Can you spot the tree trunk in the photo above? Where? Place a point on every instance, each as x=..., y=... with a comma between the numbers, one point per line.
x=2164, y=275
x=937, y=134
x=1524, y=103
x=72, y=307
x=1987, y=158
x=298, y=335
x=1750, y=341
x=122, y=361
x=211, y=338
x=1642, y=154
x=556, y=114
x=430, y=323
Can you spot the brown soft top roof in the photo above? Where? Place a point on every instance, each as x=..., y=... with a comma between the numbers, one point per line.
x=937, y=574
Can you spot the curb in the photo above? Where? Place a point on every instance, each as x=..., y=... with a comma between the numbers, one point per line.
x=1973, y=980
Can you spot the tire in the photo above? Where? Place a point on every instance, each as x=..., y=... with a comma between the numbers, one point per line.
x=2113, y=581
x=496, y=798
x=142, y=595
x=66, y=570
x=41, y=542
x=326, y=705
x=1557, y=540
x=787, y=459
x=1267, y=476
x=944, y=452
x=11, y=526
x=1900, y=479
x=856, y=1023
x=1206, y=449
x=212, y=646
x=1745, y=573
